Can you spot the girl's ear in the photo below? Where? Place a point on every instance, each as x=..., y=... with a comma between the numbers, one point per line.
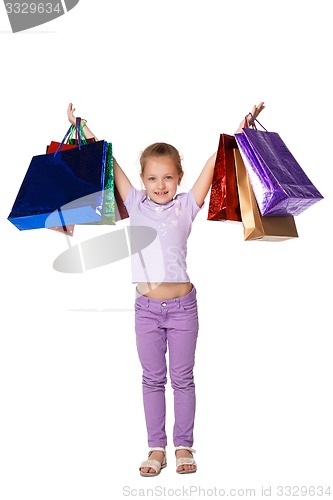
x=180, y=176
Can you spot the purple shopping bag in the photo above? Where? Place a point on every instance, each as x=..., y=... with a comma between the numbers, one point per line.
x=280, y=185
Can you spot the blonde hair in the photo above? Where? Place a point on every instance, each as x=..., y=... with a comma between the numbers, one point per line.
x=161, y=149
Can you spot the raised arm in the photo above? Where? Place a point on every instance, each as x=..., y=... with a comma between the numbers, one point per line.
x=204, y=181
x=87, y=132
x=121, y=180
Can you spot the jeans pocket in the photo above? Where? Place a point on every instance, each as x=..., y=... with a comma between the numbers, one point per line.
x=190, y=307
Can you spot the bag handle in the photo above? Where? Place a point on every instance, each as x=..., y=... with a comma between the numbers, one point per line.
x=253, y=123
x=62, y=142
x=78, y=133
x=74, y=134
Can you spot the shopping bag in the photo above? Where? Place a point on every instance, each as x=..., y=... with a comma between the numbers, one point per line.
x=257, y=227
x=112, y=202
x=114, y=209
x=121, y=210
x=52, y=148
x=280, y=185
x=108, y=215
x=62, y=188
x=113, y=206
x=54, y=145
x=224, y=202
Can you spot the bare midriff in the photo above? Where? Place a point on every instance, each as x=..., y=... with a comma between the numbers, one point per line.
x=164, y=291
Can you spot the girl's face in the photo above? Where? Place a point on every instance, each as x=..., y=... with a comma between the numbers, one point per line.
x=160, y=178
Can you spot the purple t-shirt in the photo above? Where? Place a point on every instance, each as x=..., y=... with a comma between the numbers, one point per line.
x=163, y=260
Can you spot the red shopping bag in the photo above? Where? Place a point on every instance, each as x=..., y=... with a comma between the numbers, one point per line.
x=224, y=202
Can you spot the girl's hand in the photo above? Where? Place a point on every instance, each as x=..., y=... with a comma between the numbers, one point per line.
x=70, y=114
x=256, y=110
x=86, y=131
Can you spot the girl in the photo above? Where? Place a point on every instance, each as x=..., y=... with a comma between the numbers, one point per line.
x=166, y=315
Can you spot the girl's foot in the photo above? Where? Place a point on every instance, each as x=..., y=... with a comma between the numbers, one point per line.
x=185, y=462
x=156, y=461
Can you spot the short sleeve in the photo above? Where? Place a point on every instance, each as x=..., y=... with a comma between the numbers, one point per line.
x=192, y=206
x=133, y=198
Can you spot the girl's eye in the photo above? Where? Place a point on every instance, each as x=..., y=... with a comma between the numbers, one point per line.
x=151, y=178
x=168, y=177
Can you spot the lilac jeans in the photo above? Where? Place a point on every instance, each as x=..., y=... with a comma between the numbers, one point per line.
x=161, y=326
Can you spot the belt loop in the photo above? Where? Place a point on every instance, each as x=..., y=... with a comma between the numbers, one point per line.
x=148, y=301
x=178, y=302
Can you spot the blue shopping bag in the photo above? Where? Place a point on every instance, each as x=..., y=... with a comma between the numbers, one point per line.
x=62, y=188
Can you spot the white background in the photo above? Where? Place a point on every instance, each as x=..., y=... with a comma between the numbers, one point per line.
x=71, y=419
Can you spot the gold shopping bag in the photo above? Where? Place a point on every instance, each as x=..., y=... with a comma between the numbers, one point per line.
x=256, y=226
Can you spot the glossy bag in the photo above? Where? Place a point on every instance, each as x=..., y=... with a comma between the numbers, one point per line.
x=53, y=147
x=257, y=227
x=114, y=209
x=280, y=185
x=62, y=188
x=224, y=202
x=109, y=209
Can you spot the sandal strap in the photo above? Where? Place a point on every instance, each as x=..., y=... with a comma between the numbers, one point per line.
x=157, y=448
x=188, y=448
x=185, y=461
x=155, y=464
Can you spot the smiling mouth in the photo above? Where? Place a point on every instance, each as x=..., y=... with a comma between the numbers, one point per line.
x=161, y=193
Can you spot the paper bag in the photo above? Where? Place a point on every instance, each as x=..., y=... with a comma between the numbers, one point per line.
x=256, y=226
